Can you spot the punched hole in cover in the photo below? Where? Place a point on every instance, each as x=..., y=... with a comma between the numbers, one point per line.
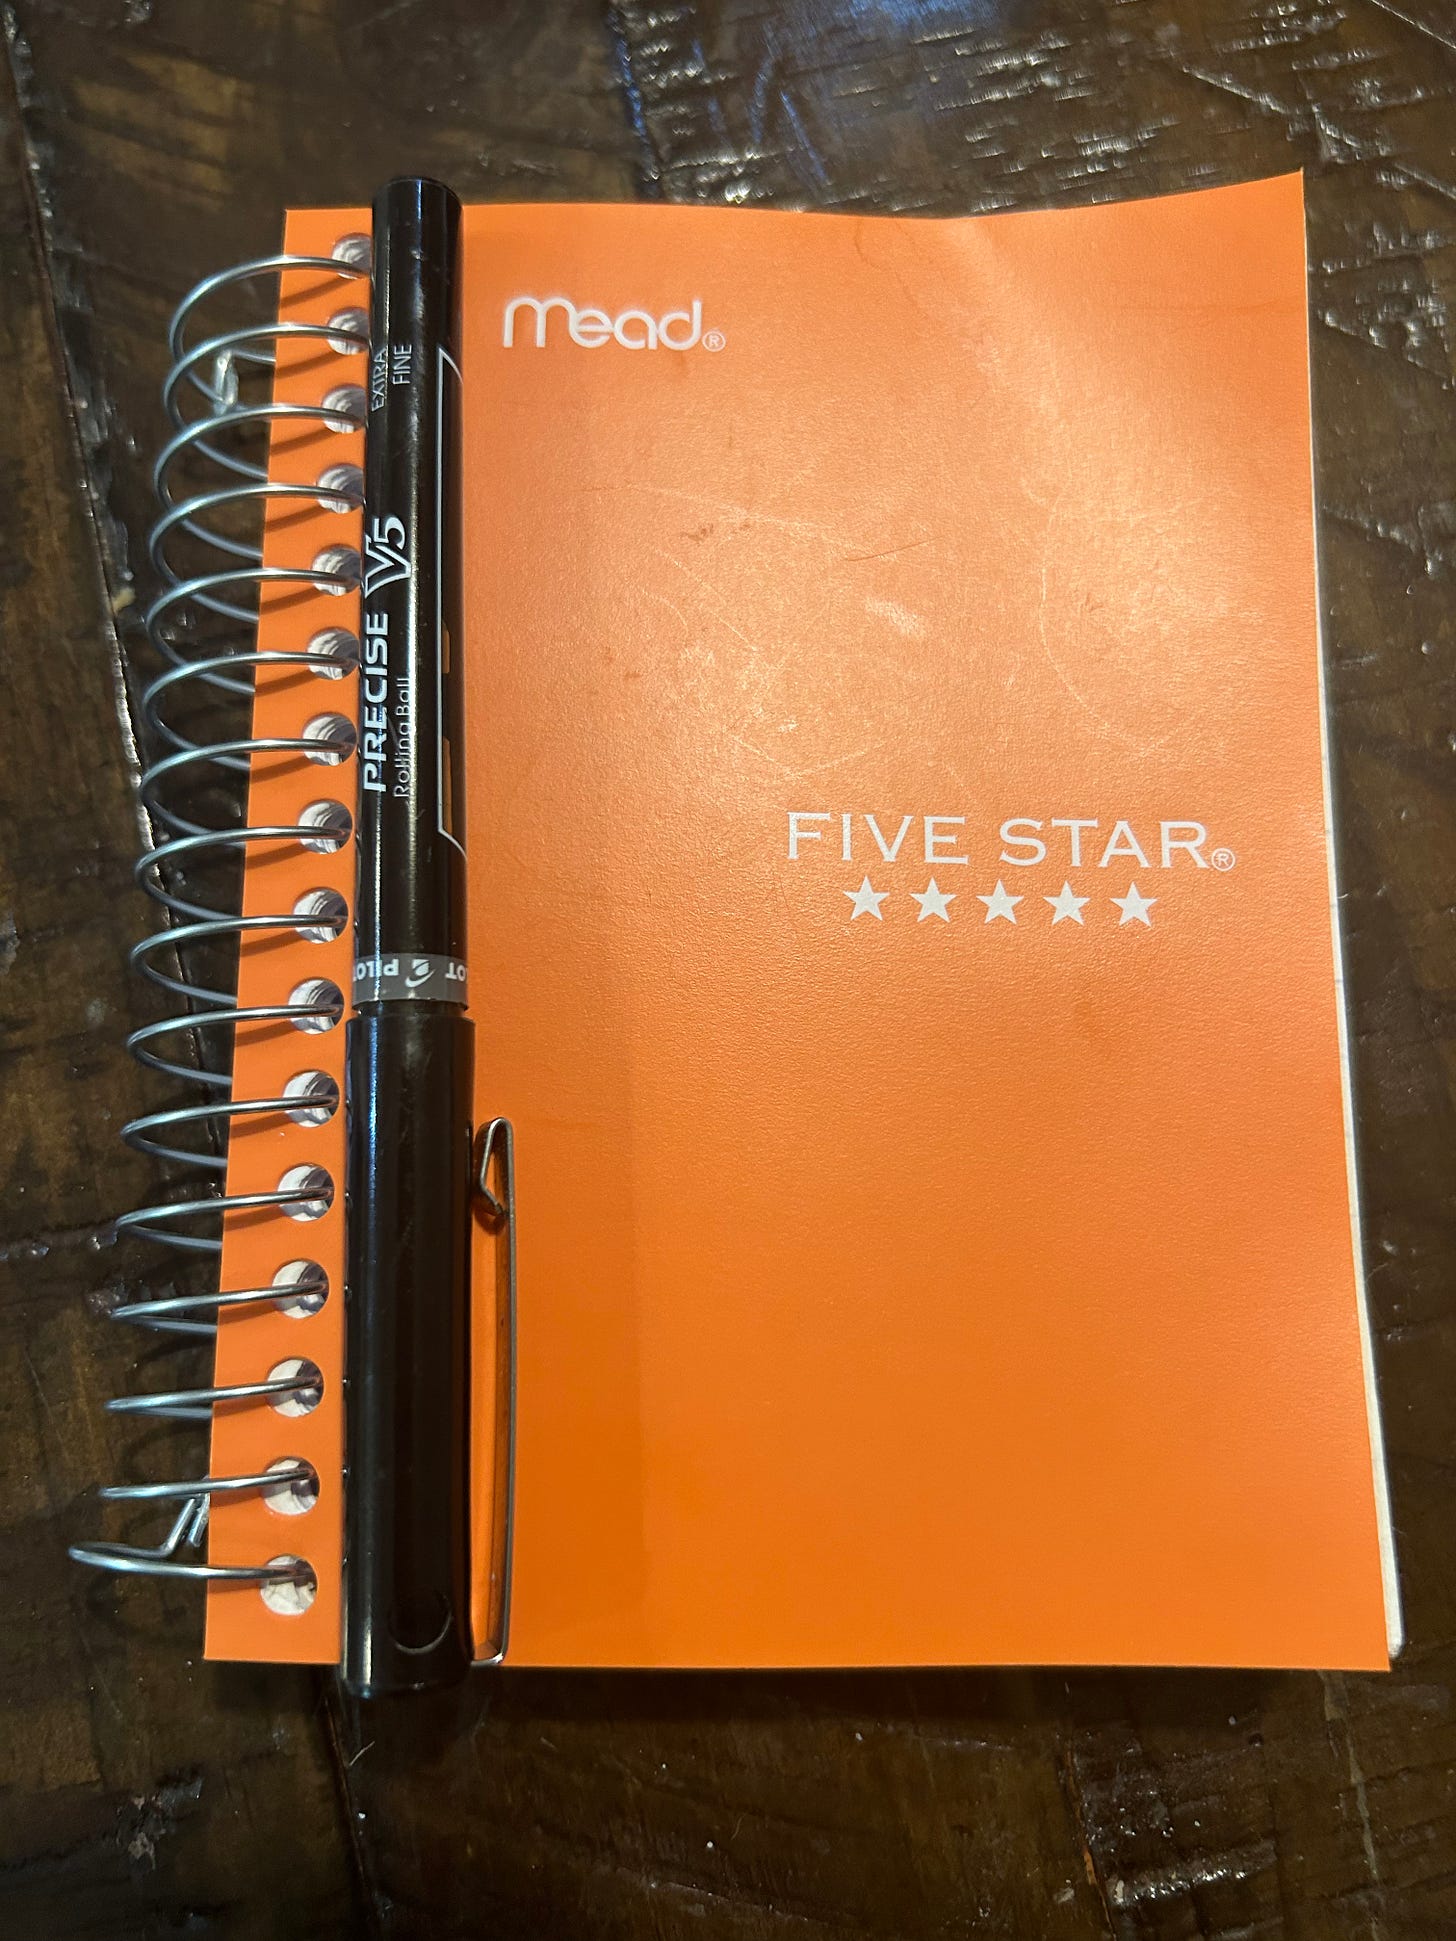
x=338, y=570
x=325, y=1002
x=341, y=488
x=328, y=911
x=285, y=1597
x=300, y=1401
x=336, y=652
x=297, y=1488
x=334, y=735
x=355, y=249
x=356, y=323
x=318, y=1097
x=344, y=407
x=313, y=1188
x=305, y=1274
x=332, y=821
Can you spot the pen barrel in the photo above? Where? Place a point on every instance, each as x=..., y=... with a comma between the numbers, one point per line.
x=411, y=813
x=407, y=1360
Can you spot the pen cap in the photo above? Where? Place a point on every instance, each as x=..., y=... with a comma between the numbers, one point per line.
x=407, y=1352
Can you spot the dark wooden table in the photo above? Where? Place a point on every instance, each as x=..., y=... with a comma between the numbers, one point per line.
x=149, y=1794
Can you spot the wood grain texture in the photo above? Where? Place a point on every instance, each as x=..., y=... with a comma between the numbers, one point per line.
x=130, y=1770
x=164, y=139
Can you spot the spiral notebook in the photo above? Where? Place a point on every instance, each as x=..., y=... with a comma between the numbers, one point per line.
x=904, y=948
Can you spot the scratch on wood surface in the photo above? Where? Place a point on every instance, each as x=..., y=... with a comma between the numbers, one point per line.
x=37, y=1246
x=1421, y=542
x=1422, y=27
x=39, y=1387
x=1225, y=84
x=1167, y=1883
x=104, y=558
x=155, y=1815
x=1071, y=1779
x=1337, y=1716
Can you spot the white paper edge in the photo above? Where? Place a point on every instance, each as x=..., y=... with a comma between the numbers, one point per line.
x=1389, y=1573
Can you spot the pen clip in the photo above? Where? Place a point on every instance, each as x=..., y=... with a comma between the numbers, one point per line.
x=495, y=1161
x=495, y=1145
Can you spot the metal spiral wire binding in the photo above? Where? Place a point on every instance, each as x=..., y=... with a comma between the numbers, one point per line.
x=204, y=400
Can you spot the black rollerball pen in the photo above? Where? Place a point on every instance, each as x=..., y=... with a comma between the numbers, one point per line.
x=406, y=1497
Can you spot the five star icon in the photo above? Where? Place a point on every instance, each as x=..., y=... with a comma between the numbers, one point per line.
x=1134, y=908
x=934, y=902
x=1066, y=903
x=999, y=904
x=866, y=900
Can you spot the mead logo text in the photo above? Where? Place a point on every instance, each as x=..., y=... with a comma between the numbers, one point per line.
x=542, y=320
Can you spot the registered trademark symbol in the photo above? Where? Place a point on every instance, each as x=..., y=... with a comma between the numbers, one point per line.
x=1223, y=858
x=713, y=340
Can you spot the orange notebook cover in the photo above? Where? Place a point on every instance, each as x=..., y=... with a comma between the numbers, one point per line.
x=903, y=942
